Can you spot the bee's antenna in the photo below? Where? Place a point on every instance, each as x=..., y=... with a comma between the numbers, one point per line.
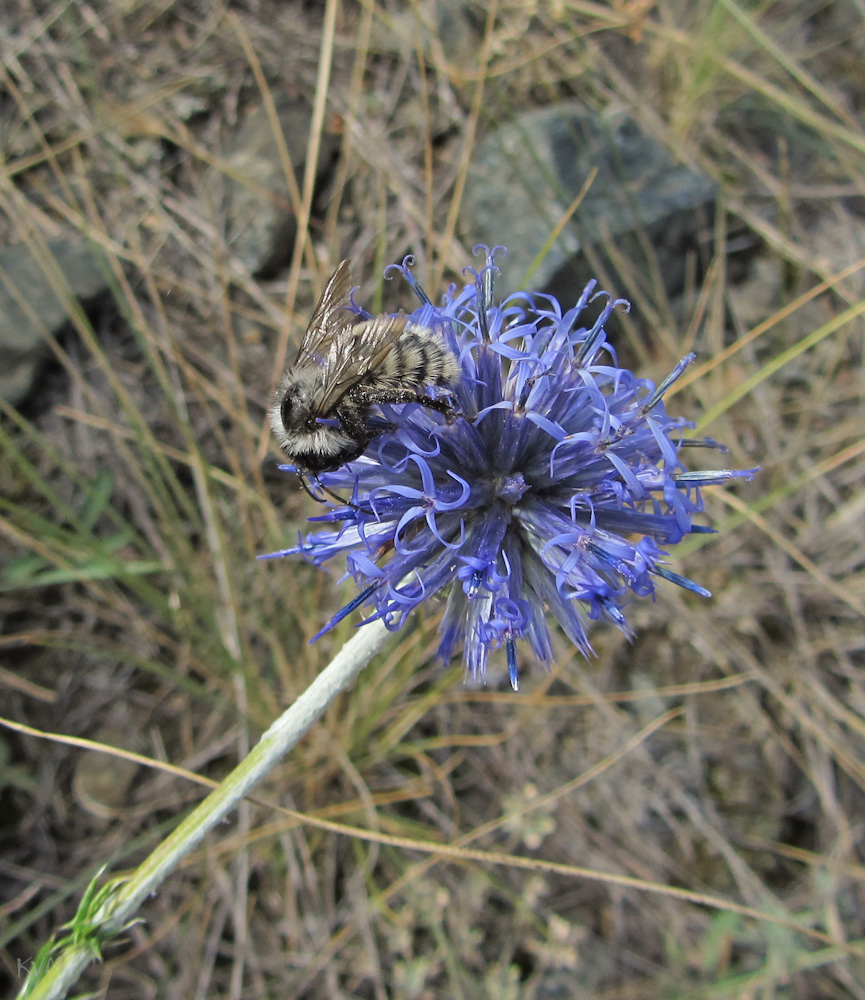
x=324, y=489
x=336, y=496
x=307, y=490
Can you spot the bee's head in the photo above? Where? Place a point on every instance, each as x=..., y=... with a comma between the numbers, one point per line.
x=294, y=404
x=311, y=442
x=287, y=409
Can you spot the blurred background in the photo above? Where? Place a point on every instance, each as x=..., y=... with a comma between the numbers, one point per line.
x=178, y=179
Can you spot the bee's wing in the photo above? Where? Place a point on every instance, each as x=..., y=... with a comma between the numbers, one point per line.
x=357, y=352
x=330, y=319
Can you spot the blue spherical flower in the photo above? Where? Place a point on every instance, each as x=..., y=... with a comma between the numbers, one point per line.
x=555, y=491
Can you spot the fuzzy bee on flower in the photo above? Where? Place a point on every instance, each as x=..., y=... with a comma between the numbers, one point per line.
x=320, y=412
x=550, y=483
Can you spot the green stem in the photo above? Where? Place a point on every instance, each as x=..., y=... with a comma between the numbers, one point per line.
x=116, y=911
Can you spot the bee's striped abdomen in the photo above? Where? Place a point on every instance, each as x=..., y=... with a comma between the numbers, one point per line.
x=417, y=359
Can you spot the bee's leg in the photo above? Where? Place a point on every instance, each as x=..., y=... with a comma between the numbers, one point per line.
x=305, y=476
x=352, y=419
x=303, y=482
x=445, y=406
x=335, y=496
x=324, y=489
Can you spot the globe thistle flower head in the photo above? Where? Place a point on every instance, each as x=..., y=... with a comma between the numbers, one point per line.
x=555, y=493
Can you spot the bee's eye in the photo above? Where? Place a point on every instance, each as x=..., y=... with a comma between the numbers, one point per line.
x=285, y=411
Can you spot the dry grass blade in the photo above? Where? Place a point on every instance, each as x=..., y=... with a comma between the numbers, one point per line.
x=679, y=816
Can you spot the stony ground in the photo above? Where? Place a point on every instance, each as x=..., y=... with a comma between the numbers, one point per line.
x=192, y=173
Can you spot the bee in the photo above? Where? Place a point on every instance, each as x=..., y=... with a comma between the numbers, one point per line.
x=321, y=409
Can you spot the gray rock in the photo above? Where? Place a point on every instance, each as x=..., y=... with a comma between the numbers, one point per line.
x=526, y=173
x=261, y=226
x=451, y=31
x=29, y=306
